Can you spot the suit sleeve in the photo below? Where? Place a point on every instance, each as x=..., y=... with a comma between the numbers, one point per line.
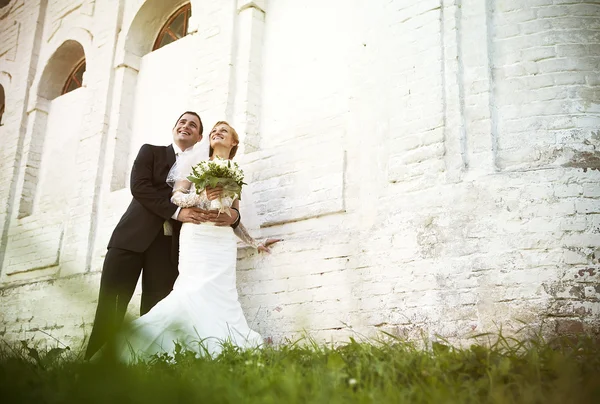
x=143, y=188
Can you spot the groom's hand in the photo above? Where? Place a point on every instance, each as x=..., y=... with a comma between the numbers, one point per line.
x=222, y=219
x=191, y=215
x=197, y=215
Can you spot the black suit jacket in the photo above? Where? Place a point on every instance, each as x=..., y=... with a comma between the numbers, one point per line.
x=151, y=204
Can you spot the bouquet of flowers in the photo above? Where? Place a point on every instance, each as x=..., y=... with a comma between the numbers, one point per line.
x=221, y=173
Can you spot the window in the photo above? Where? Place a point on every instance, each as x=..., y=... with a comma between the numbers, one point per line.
x=175, y=28
x=75, y=78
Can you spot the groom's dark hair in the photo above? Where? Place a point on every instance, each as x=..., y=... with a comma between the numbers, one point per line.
x=200, y=129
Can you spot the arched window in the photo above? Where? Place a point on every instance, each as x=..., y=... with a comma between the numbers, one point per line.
x=175, y=28
x=75, y=78
x=63, y=71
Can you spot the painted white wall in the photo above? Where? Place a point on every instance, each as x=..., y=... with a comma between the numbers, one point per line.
x=158, y=102
x=59, y=177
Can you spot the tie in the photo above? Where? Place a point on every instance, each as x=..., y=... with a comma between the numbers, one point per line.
x=167, y=226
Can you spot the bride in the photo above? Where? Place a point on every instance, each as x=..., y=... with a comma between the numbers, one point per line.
x=202, y=312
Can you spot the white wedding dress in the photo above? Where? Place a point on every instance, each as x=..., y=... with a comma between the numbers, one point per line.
x=202, y=312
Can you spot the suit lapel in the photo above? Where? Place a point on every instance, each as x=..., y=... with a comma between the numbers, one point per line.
x=170, y=155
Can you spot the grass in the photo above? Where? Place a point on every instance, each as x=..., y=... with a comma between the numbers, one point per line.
x=506, y=370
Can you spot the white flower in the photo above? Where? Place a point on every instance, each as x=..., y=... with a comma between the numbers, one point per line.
x=352, y=382
x=220, y=162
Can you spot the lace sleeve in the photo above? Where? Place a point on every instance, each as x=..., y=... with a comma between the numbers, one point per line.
x=182, y=196
x=184, y=200
x=243, y=235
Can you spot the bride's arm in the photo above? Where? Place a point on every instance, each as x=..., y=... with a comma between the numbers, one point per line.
x=243, y=235
x=182, y=196
x=182, y=186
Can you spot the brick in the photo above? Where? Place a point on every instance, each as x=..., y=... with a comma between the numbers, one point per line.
x=574, y=258
x=587, y=206
x=569, y=190
x=576, y=223
x=591, y=190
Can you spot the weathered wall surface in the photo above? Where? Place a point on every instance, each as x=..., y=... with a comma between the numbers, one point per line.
x=432, y=166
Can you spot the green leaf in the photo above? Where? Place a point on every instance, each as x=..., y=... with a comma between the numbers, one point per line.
x=335, y=361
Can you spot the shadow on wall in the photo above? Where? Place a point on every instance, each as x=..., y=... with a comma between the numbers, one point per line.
x=2, y=103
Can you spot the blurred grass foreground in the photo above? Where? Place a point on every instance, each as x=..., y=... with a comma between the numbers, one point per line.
x=501, y=370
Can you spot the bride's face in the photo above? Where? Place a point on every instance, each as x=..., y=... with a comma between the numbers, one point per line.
x=221, y=136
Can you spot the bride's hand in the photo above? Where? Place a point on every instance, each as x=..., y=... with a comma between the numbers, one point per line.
x=213, y=193
x=264, y=246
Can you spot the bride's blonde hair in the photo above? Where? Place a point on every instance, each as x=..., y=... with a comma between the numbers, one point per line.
x=233, y=133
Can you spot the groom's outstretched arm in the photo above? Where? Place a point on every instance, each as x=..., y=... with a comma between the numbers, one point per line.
x=143, y=189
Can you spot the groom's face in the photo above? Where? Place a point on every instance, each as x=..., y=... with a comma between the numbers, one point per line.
x=186, y=132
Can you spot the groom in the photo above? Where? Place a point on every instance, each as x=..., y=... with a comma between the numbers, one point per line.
x=142, y=242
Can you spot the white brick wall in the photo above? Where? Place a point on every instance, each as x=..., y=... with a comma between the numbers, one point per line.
x=431, y=166
x=542, y=73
